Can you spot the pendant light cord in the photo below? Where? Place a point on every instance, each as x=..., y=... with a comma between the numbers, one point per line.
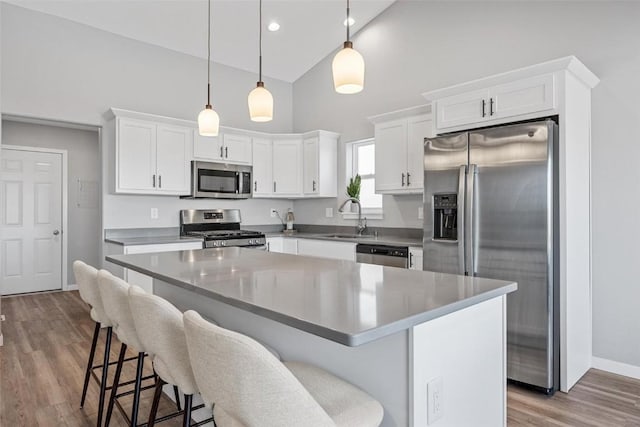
x=260, y=47
x=209, y=56
x=348, y=23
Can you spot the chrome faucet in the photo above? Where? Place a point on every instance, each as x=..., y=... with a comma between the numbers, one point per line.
x=362, y=222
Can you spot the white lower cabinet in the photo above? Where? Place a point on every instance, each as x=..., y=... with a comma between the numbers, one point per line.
x=284, y=245
x=326, y=249
x=142, y=280
x=415, y=259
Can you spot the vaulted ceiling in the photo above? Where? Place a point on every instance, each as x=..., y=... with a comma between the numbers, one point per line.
x=309, y=29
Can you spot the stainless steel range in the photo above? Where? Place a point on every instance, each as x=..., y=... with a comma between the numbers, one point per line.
x=219, y=228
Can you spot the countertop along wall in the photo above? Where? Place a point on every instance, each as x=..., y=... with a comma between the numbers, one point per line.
x=57, y=69
x=415, y=47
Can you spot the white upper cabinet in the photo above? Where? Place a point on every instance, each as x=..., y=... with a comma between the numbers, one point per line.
x=135, y=155
x=226, y=148
x=287, y=167
x=320, y=161
x=207, y=148
x=262, y=167
x=514, y=100
x=150, y=157
x=399, y=139
x=237, y=148
x=173, y=145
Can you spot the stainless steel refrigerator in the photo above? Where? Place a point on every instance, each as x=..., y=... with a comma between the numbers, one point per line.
x=490, y=210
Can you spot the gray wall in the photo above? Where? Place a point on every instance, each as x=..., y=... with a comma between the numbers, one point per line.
x=58, y=69
x=83, y=229
x=417, y=46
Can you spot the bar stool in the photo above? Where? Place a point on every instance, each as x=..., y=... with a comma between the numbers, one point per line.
x=115, y=297
x=87, y=280
x=251, y=388
x=161, y=331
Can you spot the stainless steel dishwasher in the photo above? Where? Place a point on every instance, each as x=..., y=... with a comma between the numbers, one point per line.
x=392, y=256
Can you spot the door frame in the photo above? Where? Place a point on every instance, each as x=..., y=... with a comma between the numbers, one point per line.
x=65, y=201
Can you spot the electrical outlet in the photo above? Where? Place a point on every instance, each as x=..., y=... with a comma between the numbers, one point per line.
x=420, y=212
x=435, y=400
x=154, y=213
x=274, y=213
x=328, y=212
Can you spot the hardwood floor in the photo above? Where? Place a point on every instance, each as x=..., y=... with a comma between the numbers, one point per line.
x=47, y=338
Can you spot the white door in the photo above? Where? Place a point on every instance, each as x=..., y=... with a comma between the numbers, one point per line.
x=136, y=146
x=391, y=155
x=310, y=153
x=31, y=232
x=287, y=167
x=172, y=159
x=417, y=130
x=262, y=167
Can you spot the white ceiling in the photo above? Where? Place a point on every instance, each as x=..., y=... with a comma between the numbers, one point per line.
x=310, y=29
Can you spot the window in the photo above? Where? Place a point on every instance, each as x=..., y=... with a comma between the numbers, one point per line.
x=361, y=160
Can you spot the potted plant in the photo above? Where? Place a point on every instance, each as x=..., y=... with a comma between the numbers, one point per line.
x=353, y=190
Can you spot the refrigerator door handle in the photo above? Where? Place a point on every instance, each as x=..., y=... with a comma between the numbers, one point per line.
x=462, y=177
x=469, y=220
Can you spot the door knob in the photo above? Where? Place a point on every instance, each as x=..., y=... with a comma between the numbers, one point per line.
x=56, y=232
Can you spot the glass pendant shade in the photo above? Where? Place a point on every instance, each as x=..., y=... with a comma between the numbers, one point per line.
x=208, y=122
x=348, y=70
x=260, y=104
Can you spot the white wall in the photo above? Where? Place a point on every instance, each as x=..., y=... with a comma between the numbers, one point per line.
x=57, y=69
x=417, y=46
x=83, y=161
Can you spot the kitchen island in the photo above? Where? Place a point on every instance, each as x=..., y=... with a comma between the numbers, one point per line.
x=406, y=337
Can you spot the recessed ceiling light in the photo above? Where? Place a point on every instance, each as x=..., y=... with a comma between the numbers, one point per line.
x=274, y=26
x=351, y=21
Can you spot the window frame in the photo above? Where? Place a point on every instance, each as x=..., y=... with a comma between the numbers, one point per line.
x=351, y=168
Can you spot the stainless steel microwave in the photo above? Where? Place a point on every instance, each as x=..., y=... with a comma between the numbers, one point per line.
x=220, y=181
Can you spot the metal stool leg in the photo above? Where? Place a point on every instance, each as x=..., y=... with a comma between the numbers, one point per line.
x=105, y=368
x=176, y=393
x=116, y=382
x=136, y=392
x=188, y=400
x=156, y=402
x=87, y=374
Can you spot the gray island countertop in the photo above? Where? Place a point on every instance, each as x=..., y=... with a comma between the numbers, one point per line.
x=343, y=301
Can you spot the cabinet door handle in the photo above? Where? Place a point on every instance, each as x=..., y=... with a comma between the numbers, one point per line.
x=314, y=186
x=221, y=152
x=226, y=152
x=154, y=181
x=408, y=176
x=403, y=179
x=255, y=185
x=484, y=108
x=159, y=181
x=491, y=107
x=274, y=186
x=410, y=260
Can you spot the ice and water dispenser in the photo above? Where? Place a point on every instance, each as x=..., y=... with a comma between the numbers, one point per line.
x=445, y=216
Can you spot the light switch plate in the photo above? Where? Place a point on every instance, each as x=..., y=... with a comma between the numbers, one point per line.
x=154, y=213
x=328, y=212
x=420, y=212
x=435, y=400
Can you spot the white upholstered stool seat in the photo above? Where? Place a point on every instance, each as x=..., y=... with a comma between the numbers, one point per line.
x=251, y=388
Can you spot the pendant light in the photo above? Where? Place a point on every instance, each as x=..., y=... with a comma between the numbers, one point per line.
x=348, y=66
x=208, y=119
x=260, y=99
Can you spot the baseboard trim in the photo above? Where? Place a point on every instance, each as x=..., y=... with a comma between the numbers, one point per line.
x=614, y=367
x=71, y=288
x=1, y=340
